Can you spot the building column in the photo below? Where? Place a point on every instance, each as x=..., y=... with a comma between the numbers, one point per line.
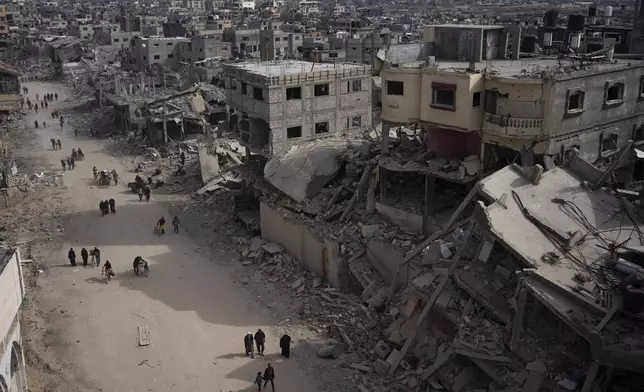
x=430, y=193
x=383, y=184
x=384, y=149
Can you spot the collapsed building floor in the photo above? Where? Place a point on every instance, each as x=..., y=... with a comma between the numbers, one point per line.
x=520, y=288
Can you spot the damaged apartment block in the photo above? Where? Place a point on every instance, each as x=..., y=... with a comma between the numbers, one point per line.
x=540, y=289
x=279, y=104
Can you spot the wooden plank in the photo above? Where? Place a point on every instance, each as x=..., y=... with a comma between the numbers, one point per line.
x=366, y=174
x=590, y=377
x=440, y=361
x=144, y=335
x=419, y=322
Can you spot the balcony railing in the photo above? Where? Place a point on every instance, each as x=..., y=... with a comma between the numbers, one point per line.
x=515, y=127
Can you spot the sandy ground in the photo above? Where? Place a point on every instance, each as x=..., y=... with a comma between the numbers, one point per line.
x=196, y=312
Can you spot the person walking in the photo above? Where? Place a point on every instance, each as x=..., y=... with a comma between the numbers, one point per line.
x=56, y=96
x=175, y=224
x=69, y=163
x=183, y=158
x=96, y=254
x=106, y=206
x=269, y=376
x=112, y=206
x=59, y=144
x=72, y=257
x=258, y=381
x=73, y=161
x=76, y=132
x=260, y=338
x=53, y=143
x=62, y=162
x=147, y=193
x=285, y=345
x=84, y=256
x=248, y=344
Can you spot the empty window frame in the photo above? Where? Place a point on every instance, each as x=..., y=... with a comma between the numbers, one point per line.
x=354, y=85
x=613, y=94
x=321, y=90
x=476, y=100
x=294, y=132
x=356, y=121
x=321, y=127
x=638, y=134
x=608, y=143
x=395, y=87
x=333, y=55
x=156, y=45
x=244, y=89
x=258, y=93
x=157, y=57
x=443, y=96
x=293, y=93
x=575, y=102
x=170, y=56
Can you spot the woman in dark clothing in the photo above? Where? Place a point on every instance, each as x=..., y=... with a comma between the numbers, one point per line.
x=72, y=257
x=285, y=345
x=84, y=256
x=269, y=376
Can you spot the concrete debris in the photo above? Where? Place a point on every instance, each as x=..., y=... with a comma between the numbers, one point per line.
x=333, y=351
x=272, y=248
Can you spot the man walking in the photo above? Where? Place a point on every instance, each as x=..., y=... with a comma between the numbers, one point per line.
x=269, y=376
x=112, y=206
x=285, y=345
x=248, y=344
x=175, y=224
x=260, y=338
x=72, y=257
x=96, y=254
x=84, y=256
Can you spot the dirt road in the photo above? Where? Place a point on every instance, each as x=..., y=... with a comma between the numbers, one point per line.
x=196, y=315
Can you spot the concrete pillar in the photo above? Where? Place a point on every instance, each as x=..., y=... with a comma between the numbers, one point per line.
x=516, y=43
x=385, y=138
x=430, y=192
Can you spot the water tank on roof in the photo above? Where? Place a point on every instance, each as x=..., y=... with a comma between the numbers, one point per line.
x=592, y=11
x=528, y=44
x=576, y=22
x=550, y=18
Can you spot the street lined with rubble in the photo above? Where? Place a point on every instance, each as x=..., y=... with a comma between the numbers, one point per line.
x=196, y=311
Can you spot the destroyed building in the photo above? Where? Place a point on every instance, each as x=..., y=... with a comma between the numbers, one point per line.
x=284, y=103
x=10, y=97
x=473, y=117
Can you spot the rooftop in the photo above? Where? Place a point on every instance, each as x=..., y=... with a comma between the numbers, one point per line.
x=464, y=26
x=291, y=67
x=527, y=68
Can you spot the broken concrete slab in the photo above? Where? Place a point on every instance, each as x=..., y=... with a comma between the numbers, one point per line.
x=369, y=291
x=305, y=169
x=396, y=338
x=295, y=285
x=361, y=367
x=334, y=351
x=369, y=231
x=272, y=248
x=381, y=366
x=256, y=244
x=504, y=272
x=394, y=357
x=209, y=165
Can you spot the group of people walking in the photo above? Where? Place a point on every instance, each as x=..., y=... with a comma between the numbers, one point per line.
x=95, y=253
x=259, y=340
x=107, y=206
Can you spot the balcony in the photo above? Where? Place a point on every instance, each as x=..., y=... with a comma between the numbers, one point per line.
x=512, y=127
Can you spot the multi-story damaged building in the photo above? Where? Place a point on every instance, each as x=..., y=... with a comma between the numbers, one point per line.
x=505, y=104
x=283, y=103
x=145, y=52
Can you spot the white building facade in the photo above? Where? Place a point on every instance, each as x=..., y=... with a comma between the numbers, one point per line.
x=13, y=377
